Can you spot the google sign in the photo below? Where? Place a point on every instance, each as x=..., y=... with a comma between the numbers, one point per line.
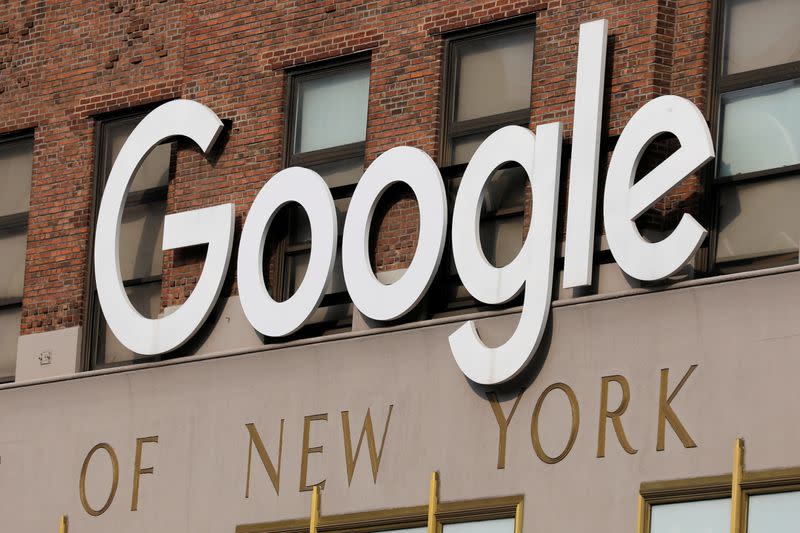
x=538, y=153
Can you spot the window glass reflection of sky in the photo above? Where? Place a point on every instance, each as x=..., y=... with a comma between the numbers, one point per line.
x=707, y=516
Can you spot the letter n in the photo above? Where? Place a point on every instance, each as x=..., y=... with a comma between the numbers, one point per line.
x=273, y=473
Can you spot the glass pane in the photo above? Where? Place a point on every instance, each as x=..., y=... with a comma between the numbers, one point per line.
x=502, y=215
x=707, y=516
x=494, y=74
x=505, y=189
x=760, y=33
x=502, y=525
x=331, y=109
x=344, y=172
x=297, y=264
x=146, y=299
x=757, y=219
x=12, y=267
x=464, y=147
x=154, y=171
x=761, y=128
x=140, y=244
x=9, y=332
x=501, y=239
x=300, y=231
x=299, y=227
x=331, y=313
x=774, y=513
x=16, y=162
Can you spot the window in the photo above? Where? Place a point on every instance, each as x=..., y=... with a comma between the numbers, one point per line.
x=326, y=132
x=140, y=241
x=758, y=134
x=488, y=74
x=770, y=504
x=700, y=505
x=496, y=515
x=16, y=161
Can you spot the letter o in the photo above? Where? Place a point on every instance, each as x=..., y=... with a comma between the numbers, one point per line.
x=307, y=188
x=115, y=469
x=415, y=168
x=573, y=434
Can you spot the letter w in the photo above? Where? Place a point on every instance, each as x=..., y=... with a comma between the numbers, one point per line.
x=273, y=473
x=374, y=454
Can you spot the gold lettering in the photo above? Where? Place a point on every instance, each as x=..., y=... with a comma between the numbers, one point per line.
x=666, y=414
x=502, y=423
x=273, y=473
x=114, y=468
x=304, y=486
x=138, y=470
x=374, y=454
x=615, y=415
x=576, y=422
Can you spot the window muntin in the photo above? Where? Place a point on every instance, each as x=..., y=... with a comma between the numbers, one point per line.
x=760, y=34
x=327, y=131
x=758, y=140
x=16, y=167
x=141, y=233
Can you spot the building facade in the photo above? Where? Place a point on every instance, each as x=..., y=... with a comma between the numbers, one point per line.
x=634, y=409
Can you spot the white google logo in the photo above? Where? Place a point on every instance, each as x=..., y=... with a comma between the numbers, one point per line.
x=532, y=270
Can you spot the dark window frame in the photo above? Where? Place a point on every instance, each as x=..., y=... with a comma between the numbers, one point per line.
x=723, y=84
x=451, y=130
x=15, y=222
x=334, y=154
x=93, y=344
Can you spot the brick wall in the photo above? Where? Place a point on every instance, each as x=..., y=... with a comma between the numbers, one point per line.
x=63, y=63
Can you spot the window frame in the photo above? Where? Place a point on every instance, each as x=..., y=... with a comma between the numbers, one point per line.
x=402, y=518
x=334, y=154
x=18, y=221
x=721, y=85
x=93, y=343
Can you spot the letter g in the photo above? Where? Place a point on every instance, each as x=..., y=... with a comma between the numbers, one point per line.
x=212, y=225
